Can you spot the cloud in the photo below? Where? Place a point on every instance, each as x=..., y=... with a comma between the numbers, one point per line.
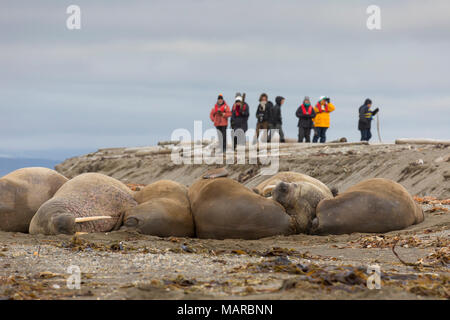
x=138, y=70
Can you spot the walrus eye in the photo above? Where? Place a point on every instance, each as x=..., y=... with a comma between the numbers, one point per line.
x=131, y=222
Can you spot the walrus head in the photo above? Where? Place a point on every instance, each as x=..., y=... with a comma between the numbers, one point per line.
x=160, y=217
x=131, y=222
x=283, y=194
x=52, y=219
x=289, y=196
x=61, y=223
x=300, y=201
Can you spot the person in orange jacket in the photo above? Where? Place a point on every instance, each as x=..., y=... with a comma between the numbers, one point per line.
x=219, y=115
x=323, y=109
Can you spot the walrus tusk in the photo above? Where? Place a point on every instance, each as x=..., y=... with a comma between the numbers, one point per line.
x=270, y=188
x=95, y=218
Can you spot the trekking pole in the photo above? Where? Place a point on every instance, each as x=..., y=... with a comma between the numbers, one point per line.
x=378, y=128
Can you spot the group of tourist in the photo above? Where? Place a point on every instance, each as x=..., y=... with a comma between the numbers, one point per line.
x=311, y=118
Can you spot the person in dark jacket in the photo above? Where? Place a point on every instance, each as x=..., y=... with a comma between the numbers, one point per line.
x=239, y=117
x=305, y=113
x=365, y=119
x=275, y=121
x=263, y=113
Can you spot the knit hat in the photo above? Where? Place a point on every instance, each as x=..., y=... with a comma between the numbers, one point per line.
x=220, y=96
x=238, y=98
x=322, y=98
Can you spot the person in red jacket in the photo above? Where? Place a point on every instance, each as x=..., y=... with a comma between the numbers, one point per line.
x=305, y=113
x=219, y=115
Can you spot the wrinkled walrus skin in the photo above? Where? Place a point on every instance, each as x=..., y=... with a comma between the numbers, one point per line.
x=22, y=192
x=164, y=210
x=266, y=187
x=87, y=195
x=300, y=200
x=225, y=209
x=372, y=206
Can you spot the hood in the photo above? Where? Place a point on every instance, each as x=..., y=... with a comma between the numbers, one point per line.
x=278, y=100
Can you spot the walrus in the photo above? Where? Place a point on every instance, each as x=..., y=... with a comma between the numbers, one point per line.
x=22, y=192
x=164, y=210
x=298, y=193
x=224, y=209
x=90, y=202
x=373, y=206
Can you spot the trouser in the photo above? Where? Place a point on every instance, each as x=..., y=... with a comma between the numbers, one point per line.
x=304, y=133
x=261, y=126
x=280, y=131
x=320, y=132
x=366, y=134
x=222, y=135
x=236, y=133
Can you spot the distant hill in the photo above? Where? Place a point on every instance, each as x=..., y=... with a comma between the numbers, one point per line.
x=10, y=164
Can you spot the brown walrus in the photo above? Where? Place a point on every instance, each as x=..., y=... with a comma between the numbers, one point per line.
x=22, y=192
x=90, y=202
x=298, y=193
x=374, y=205
x=225, y=209
x=164, y=210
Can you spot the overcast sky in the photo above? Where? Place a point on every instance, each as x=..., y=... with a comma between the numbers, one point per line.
x=137, y=70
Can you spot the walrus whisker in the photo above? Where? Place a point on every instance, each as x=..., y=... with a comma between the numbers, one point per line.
x=95, y=218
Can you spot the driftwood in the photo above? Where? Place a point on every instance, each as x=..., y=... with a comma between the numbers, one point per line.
x=422, y=141
x=337, y=144
x=167, y=147
x=165, y=143
x=144, y=153
x=341, y=140
x=300, y=146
